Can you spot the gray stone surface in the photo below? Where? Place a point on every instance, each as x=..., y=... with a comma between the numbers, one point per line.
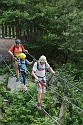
x=1, y=58
x=5, y=44
x=13, y=85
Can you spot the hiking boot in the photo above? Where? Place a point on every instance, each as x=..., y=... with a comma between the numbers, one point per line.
x=18, y=79
x=21, y=80
x=39, y=106
x=42, y=106
x=24, y=87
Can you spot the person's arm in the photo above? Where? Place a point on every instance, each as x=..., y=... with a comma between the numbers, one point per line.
x=33, y=74
x=51, y=70
x=24, y=50
x=34, y=70
x=10, y=51
x=30, y=63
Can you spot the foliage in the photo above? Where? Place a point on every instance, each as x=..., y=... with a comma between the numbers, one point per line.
x=22, y=107
x=22, y=110
x=60, y=24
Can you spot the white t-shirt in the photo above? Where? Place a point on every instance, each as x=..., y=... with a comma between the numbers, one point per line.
x=40, y=72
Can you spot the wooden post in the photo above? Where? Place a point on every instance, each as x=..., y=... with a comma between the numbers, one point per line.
x=6, y=30
x=3, y=31
x=13, y=31
x=9, y=31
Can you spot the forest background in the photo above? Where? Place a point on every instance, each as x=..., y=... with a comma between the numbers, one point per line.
x=55, y=29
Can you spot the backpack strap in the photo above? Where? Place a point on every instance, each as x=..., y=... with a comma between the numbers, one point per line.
x=20, y=62
x=38, y=65
x=22, y=47
x=15, y=46
x=13, y=49
x=39, y=69
x=45, y=66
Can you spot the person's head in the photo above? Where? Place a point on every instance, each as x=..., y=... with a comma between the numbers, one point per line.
x=17, y=41
x=42, y=59
x=22, y=56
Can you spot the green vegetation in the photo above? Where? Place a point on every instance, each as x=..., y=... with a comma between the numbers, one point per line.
x=56, y=26
x=21, y=108
x=55, y=29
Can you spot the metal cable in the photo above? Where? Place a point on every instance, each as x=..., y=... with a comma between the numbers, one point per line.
x=66, y=99
x=31, y=56
x=46, y=85
x=63, y=98
x=8, y=67
x=71, y=84
x=58, y=74
x=43, y=109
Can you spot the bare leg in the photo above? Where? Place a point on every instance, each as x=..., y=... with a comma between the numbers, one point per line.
x=42, y=95
x=39, y=97
x=17, y=72
x=16, y=69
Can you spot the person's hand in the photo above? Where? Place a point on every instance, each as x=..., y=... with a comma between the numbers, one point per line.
x=14, y=58
x=26, y=51
x=36, y=79
x=31, y=62
x=53, y=72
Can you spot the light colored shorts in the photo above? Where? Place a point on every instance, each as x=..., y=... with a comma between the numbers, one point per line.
x=41, y=89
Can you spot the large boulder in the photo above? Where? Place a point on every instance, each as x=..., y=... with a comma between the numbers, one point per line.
x=5, y=44
x=13, y=85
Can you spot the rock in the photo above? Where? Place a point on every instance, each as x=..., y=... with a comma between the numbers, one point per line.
x=13, y=85
x=5, y=102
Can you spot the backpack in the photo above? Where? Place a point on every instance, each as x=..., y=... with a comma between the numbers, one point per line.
x=20, y=62
x=38, y=66
x=15, y=46
x=33, y=79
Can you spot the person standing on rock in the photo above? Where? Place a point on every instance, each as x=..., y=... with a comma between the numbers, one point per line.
x=15, y=51
x=22, y=63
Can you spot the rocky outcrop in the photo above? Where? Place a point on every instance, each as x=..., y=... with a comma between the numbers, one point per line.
x=5, y=44
x=13, y=85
